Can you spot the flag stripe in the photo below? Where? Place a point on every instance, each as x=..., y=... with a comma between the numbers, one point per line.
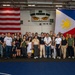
x=15, y=12
x=9, y=14
x=10, y=28
x=2, y=31
x=16, y=9
x=70, y=32
x=9, y=23
x=9, y=18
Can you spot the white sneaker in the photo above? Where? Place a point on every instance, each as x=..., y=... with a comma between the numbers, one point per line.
x=73, y=57
x=69, y=57
x=59, y=58
x=34, y=57
x=49, y=56
x=54, y=57
x=40, y=56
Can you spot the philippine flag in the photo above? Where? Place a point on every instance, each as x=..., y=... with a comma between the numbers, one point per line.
x=65, y=21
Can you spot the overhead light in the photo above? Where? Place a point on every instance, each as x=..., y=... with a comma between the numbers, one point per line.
x=6, y=4
x=31, y=5
x=59, y=6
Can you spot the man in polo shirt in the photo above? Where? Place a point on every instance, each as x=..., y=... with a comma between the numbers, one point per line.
x=47, y=41
x=8, y=43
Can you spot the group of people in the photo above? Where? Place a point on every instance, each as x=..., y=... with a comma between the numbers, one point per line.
x=33, y=45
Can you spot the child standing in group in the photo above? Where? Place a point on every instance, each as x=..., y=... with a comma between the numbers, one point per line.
x=13, y=50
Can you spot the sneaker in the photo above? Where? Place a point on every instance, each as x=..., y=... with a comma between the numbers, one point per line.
x=49, y=56
x=46, y=56
x=40, y=56
x=54, y=57
x=72, y=57
x=69, y=57
x=34, y=57
x=59, y=58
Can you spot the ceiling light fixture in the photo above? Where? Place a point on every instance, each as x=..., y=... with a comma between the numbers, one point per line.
x=59, y=6
x=31, y=5
x=6, y=4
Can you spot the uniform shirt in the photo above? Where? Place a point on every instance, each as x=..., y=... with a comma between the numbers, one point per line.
x=58, y=40
x=24, y=44
x=47, y=40
x=70, y=41
x=8, y=41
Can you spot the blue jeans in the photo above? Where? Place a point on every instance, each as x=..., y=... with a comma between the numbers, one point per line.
x=48, y=51
x=8, y=51
x=1, y=50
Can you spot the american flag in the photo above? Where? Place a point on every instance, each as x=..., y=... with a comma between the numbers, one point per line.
x=10, y=20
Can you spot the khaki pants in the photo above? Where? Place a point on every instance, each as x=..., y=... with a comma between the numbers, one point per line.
x=63, y=48
x=42, y=50
x=54, y=51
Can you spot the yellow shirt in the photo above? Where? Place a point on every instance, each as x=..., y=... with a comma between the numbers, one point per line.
x=35, y=41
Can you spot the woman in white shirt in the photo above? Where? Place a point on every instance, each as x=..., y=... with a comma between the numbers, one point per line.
x=29, y=47
x=58, y=46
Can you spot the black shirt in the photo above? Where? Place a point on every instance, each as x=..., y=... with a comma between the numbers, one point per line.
x=63, y=42
x=41, y=39
x=2, y=39
x=18, y=42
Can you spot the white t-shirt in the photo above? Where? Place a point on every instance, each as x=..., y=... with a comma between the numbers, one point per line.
x=58, y=40
x=8, y=41
x=29, y=47
x=47, y=40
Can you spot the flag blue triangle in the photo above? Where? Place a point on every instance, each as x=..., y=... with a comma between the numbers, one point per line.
x=68, y=12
